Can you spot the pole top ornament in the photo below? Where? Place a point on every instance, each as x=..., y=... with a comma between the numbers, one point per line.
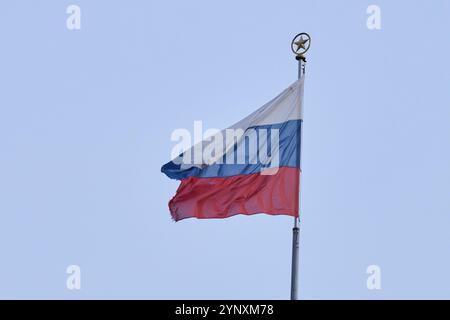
x=300, y=45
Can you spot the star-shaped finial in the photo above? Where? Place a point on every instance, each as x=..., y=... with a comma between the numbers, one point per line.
x=300, y=43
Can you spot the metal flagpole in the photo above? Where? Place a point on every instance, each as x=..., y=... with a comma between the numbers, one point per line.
x=302, y=45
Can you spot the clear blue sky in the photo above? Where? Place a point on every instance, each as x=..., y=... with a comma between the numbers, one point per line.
x=85, y=124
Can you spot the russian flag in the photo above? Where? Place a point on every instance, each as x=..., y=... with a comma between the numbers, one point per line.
x=251, y=167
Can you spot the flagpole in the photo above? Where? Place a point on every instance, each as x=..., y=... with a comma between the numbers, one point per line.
x=304, y=45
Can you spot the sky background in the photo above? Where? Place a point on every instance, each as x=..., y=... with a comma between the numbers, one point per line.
x=85, y=124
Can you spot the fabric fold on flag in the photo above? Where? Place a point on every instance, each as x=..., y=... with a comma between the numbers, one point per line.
x=248, y=168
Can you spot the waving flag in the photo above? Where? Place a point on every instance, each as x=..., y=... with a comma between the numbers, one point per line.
x=251, y=167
